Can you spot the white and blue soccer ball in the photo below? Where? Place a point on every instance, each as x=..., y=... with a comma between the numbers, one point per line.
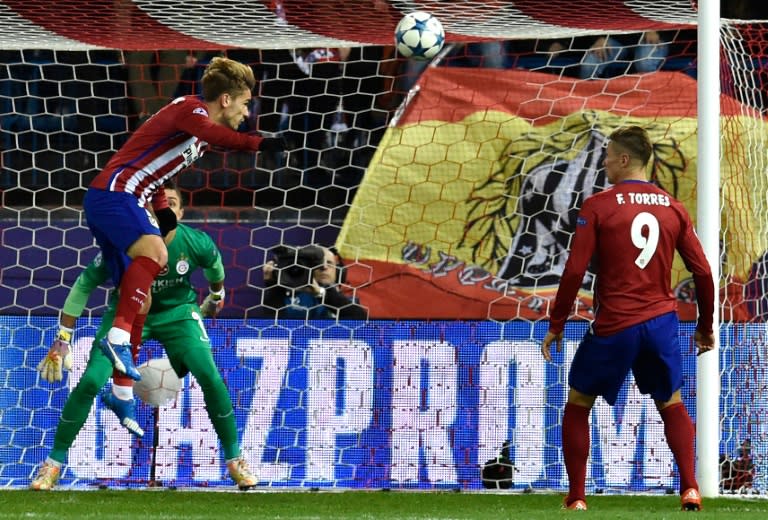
x=159, y=383
x=419, y=36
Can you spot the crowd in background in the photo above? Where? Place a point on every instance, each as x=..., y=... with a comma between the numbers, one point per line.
x=63, y=113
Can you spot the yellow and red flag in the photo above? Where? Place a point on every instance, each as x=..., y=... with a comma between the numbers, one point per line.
x=467, y=209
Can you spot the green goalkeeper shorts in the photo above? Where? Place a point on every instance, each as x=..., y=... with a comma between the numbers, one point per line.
x=180, y=330
x=182, y=333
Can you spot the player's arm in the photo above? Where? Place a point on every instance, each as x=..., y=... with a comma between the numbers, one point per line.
x=94, y=275
x=213, y=271
x=58, y=359
x=196, y=123
x=214, y=302
x=166, y=218
x=582, y=249
x=696, y=262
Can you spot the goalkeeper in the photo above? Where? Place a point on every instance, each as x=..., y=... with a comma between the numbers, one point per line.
x=175, y=321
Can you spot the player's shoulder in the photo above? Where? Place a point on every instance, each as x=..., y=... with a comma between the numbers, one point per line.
x=599, y=198
x=607, y=192
x=190, y=231
x=189, y=104
x=196, y=235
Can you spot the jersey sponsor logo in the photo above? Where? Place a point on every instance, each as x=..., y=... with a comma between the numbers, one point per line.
x=166, y=283
x=163, y=271
x=201, y=111
x=581, y=221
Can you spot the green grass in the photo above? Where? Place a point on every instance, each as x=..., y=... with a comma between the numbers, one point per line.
x=166, y=504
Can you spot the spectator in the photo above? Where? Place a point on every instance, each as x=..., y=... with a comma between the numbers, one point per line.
x=587, y=58
x=646, y=54
x=316, y=111
x=304, y=284
x=191, y=73
x=491, y=54
x=739, y=474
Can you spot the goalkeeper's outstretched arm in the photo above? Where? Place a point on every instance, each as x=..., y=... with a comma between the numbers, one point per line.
x=91, y=277
x=58, y=359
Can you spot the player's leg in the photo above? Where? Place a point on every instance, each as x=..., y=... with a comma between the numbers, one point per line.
x=188, y=347
x=681, y=435
x=218, y=404
x=575, y=445
x=120, y=398
x=132, y=246
x=658, y=372
x=575, y=442
x=599, y=367
x=74, y=414
x=134, y=301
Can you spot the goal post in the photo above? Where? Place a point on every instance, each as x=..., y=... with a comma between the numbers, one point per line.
x=450, y=191
x=708, y=196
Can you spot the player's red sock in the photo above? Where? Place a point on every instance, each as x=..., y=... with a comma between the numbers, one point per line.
x=136, y=331
x=678, y=428
x=134, y=288
x=576, y=449
x=120, y=379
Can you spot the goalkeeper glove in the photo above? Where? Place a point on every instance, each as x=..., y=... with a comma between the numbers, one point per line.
x=213, y=303
x=58, y=359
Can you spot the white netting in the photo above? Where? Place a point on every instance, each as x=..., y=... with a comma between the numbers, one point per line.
x=460, y=209
x=280, y=24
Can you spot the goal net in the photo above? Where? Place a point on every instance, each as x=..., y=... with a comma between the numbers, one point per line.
x=450, y=190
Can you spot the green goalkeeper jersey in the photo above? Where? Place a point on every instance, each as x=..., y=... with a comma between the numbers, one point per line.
x=172, y=289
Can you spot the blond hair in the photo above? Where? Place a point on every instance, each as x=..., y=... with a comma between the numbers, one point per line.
x=226, y=76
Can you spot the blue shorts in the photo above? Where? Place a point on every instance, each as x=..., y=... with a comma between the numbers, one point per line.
x=117, y=221
x=650, y=349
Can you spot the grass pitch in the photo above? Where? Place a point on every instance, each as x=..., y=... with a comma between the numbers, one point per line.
x=164, y=504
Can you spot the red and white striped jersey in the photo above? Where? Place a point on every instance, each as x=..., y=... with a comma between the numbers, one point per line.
x=167, y=142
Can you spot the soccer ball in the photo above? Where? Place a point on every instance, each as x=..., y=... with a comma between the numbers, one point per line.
x=419, y=35
x=159, y=383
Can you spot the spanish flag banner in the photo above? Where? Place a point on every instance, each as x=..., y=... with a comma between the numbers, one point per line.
x=467, y=209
